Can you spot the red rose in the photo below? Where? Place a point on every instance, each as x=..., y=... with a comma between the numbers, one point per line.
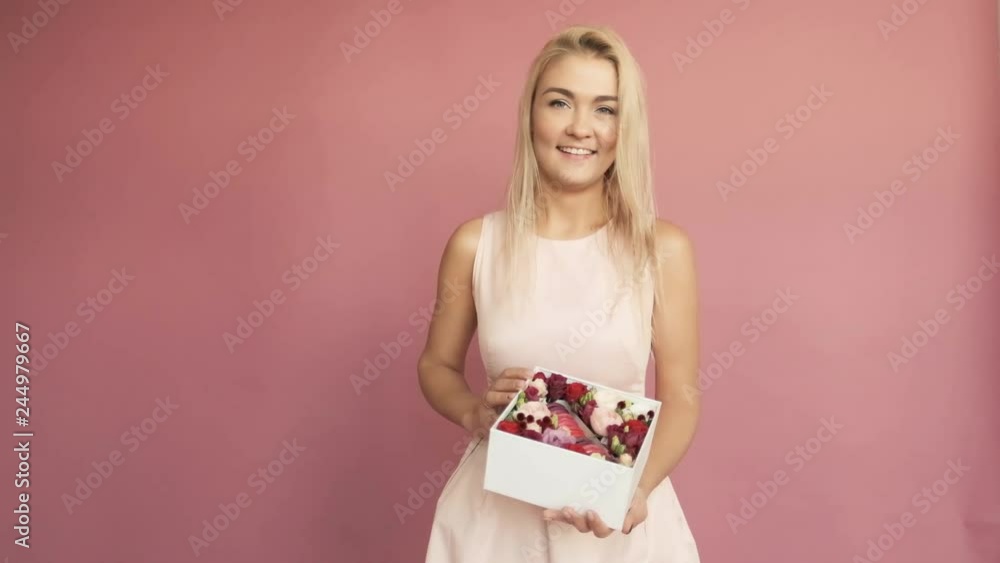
x=588, y=410
x=633, y=439
x=509, y=426
x=574, y=391
x=532, y=434
x=577, y=448
x=639, y=426
x=556, y=387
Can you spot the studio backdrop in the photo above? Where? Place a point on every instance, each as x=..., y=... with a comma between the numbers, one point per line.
x=221, y=223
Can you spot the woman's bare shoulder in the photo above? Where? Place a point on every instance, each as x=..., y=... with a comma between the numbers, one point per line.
x=672, y=240
x=671, y=233
x=464, y=240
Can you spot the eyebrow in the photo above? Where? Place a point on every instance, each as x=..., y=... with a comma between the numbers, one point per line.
x=569, y=95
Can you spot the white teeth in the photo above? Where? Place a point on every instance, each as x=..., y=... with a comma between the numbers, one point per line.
x=572, y=150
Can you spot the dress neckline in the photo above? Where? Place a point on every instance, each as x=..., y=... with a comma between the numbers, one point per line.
x=574, y=240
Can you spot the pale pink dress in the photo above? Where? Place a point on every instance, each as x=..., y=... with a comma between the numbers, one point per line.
x=574, y=278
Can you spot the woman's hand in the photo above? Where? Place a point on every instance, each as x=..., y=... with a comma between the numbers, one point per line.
x=637, y=512
x=505, y=387
x=481, y=416
x=591, y=522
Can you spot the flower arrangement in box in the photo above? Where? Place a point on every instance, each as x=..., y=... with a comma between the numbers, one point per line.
x=578, y=417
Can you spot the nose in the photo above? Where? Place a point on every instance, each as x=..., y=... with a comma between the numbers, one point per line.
x=580, y=125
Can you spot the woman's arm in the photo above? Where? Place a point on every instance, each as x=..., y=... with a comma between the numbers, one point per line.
x=675, y=351
x=441, y=367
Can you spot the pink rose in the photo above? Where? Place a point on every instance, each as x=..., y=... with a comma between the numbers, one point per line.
x=601, y=418
x=607, y=399
x=541, y=390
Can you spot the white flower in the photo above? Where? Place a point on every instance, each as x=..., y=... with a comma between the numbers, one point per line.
x=534, y=426
x=606, y=399
x=626, y=460
x=603, y=417
x=537, y=409
x=539, y=384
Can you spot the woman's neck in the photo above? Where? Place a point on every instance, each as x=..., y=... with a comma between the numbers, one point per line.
x=572, y=213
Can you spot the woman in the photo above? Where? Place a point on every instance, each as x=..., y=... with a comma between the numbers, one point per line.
x=576, y=274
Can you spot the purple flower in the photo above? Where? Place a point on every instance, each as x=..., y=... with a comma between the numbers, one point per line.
x=557, y=437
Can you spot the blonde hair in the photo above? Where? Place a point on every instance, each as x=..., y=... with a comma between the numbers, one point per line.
x=631, y=232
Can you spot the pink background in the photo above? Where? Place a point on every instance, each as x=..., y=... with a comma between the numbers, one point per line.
x=323, y=176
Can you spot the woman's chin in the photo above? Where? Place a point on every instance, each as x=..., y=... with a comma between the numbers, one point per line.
x=573, y=180
x=570, y=183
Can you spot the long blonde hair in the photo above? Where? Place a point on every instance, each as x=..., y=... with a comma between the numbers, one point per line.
x=628, y=190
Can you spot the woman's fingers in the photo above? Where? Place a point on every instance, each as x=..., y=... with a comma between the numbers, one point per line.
x=554, y=516
x=509, y=384
x=505, y=387
x=520, y=373
x=497, y=399
x=578, y=521
x=597, y=525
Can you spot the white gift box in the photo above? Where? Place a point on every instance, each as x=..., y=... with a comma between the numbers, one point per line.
x=552, y=477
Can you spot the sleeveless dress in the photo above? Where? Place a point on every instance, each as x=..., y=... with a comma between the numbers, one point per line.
x=562, y=329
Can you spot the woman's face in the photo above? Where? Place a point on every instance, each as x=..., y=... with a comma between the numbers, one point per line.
x=575, y=121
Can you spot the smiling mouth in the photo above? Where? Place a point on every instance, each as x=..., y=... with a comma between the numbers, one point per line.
x=574, y=151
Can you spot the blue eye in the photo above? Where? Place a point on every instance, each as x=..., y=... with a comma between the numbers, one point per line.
x=603, y=109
